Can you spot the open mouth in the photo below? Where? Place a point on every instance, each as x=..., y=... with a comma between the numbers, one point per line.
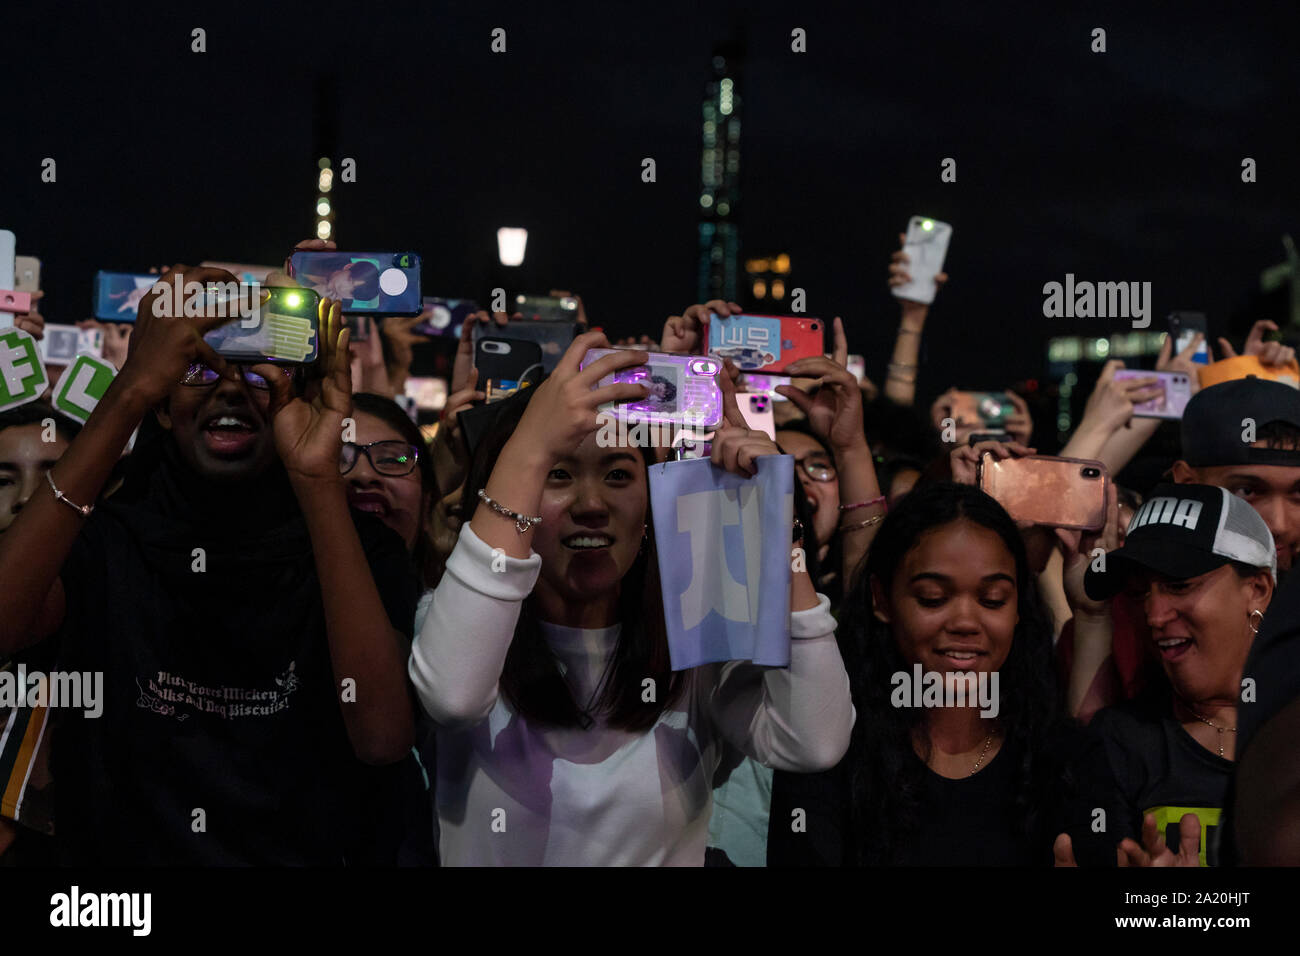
x=369, y=502
x=959, y=657
x=1172, y=648
x=588, y=542
x=229, y=434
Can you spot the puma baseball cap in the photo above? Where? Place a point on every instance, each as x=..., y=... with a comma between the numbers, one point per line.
x=1183, y=531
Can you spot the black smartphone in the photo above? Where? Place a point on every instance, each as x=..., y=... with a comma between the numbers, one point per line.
x=551, y=335
x=506, y=365
x=977, y=437
x=1183, y=326
x=373, y=283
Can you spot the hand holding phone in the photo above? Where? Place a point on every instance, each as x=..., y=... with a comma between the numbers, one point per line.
x=564, y=409
x=1174, y=388
x=916, y=271
x=681, y=389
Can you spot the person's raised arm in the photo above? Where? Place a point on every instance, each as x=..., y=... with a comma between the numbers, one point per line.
x=835, y=414
x=1092, y=682
x=791, y=718
x=689, y=332
x=900, y=384
x=460, y=652
x=165, y=342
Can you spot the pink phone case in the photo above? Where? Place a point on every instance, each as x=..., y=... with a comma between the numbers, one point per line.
x=683, y=389
x=1178, y=392
x=11, y=301
x=1046, y=490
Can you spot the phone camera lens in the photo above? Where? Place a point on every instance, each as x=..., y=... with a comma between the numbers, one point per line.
x=1091, y=473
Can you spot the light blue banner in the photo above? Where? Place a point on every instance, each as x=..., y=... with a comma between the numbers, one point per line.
x=724, y=560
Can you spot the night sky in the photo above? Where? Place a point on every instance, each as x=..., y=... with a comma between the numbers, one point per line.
x=1116, y=166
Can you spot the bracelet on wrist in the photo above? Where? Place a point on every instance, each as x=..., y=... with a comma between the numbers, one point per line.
x=862, y=524
x=865, y=504
x=522, y=522
x=83, y=510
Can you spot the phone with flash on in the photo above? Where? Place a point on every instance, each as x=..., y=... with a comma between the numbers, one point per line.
x=283, y=326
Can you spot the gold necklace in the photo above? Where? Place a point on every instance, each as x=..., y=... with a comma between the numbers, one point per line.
x=988, y=741
x=1206, y=720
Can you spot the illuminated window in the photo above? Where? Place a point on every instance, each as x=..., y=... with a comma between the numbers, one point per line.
x=778, y=289
x=760, y=289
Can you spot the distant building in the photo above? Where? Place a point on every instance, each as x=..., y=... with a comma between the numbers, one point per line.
x=719, y=231
x=767, y=282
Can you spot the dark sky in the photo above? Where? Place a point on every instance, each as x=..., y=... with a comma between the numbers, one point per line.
x=1116, y=166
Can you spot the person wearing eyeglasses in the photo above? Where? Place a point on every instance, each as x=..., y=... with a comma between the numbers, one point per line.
x=251, y=631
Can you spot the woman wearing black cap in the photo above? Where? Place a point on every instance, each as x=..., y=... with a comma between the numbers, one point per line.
x=1202, y=563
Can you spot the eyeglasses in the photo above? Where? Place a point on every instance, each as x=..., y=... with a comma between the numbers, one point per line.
x=392, y=458
x=199, y=375
x=817, y=468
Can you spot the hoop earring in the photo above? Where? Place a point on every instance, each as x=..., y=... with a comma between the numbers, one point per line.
x=1253, y=628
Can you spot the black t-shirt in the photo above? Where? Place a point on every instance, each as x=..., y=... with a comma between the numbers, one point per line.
x=1158, y=767
x=221, y=739
x=974, y=821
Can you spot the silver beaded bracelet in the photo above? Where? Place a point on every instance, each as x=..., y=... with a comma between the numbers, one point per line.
x=522, y=522
x=83, y=510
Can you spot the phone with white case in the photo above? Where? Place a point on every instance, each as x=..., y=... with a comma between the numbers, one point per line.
x=926, y=245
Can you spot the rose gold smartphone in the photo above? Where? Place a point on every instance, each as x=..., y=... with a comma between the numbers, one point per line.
x=1057, y=492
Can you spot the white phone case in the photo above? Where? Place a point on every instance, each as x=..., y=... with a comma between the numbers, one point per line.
x=7, y=247
x=926, y=246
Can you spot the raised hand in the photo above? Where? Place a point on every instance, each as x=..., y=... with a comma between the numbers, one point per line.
x=898, y=274
x=564, y=409
x=308, y=428
x=964, y=459
x=1112, y=402
x=1269, y=353
x=1154, y=851
x=165, y=342
x=1076, y=550
x=835, y=412
x=689, y=332
x=735, y=445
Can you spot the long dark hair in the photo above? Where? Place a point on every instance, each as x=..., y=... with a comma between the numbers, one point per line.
x=826, y=574
x=391, y=414
x=885, y=775
x=531, y=680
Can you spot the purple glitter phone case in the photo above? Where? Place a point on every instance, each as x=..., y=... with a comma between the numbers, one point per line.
x=683, y=390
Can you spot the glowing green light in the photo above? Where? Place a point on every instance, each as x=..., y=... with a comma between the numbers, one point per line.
x=293, y=300
x=927, y=224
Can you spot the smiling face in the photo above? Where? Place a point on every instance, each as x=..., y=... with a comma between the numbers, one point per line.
x=594, y=512
x=221, y=430
x=398, y=501
x=823, y=496
x=1201, y=627
x=952, y=606
x=1272, y=490
x=24, y=460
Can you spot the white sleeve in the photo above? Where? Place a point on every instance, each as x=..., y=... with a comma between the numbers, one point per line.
x=789, y=718
x=459, y=653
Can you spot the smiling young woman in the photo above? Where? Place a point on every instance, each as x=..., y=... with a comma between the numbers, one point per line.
x=564, y=737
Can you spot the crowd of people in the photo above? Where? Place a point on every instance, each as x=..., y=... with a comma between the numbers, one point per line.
x=326, y=640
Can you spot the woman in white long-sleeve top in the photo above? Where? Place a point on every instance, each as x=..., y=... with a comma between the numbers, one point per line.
x=564, y=736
